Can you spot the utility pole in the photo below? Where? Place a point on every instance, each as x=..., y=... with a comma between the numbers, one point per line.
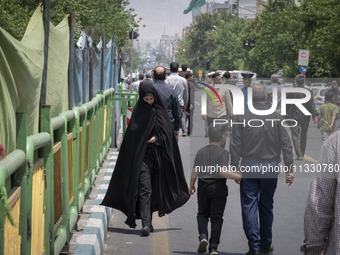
x=131, y=53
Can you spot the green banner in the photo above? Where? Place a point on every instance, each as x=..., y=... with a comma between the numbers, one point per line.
x=194, y=4
x=21, y=67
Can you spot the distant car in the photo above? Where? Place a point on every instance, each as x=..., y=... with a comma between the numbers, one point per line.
x=287, y=84
x=319, y=96
x=318, y=84
x=265, y=82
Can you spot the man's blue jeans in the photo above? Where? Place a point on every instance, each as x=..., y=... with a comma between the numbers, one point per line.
x=257, y=199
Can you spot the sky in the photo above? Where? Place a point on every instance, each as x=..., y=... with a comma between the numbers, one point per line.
x=161, y=16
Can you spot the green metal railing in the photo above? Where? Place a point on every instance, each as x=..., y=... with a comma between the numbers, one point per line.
x=127, y=99
x=72, y=147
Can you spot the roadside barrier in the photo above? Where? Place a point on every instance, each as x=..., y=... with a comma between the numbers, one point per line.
x=127, y=100
x=43, y=184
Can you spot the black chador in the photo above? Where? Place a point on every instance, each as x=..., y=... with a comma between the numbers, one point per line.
x=139, y=160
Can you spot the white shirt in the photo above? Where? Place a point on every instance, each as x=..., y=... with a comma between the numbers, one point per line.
x=180, y=85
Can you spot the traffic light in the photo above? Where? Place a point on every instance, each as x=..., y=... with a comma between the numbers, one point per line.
x=248, y=43
x=207, y=65
x=133, y=35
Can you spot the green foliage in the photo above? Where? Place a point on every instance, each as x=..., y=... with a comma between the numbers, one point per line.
x=195, y=49
x=14, y=16
x=321, y=32
x=109, y=17
x=228, y=53
x=136, y=60
x=276, y=34
x=279, y=32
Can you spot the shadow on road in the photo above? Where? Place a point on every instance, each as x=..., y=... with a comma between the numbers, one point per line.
x=124, y=231
x=137, y=231
x=190, y=252
x=166, y=229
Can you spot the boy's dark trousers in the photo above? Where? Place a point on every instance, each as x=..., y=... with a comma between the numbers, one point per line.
x=211, y=200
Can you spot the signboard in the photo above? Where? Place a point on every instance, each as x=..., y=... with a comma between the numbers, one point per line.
x=303, y=69
x=303, y=57
x=200, y=74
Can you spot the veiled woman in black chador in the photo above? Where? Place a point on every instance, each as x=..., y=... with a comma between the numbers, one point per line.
x=148, y=175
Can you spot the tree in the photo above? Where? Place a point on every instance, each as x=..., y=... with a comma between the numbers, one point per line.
x=283, y=28
x=195, y=47
x=228, y=53
x=111, y=17
x=275, y=35
x=321, y=33
x=135, y=61
x=215, y=37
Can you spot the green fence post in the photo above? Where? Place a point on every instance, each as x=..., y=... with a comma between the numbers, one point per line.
x=94, y=133
x=90, y=107
x=110, y=115
x=100, y=115
x=20, y=179
x=82, y=123
x=47, y=153
x=68, y=117
x=76, y=168
x=8, y=166
x=124, y=108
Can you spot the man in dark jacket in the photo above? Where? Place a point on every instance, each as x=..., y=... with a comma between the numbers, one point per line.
x=259, y=143
x=169, y=97
x=299, y=132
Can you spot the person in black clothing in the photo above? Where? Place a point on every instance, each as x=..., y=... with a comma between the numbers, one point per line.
x=212, y=190
x=260, y=147
x=299, y=132
x=184, y=70
x=191, y=102
x=335, y=90
x=148, y=175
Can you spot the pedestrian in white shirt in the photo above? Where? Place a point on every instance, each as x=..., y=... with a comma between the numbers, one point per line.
x=180, y=85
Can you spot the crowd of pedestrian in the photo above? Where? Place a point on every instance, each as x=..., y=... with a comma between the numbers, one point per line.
x=150, y=175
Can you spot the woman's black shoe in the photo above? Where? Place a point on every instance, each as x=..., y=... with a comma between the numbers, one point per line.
x=145, y=231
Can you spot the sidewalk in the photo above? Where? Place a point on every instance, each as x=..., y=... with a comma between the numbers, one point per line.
x=91, y=228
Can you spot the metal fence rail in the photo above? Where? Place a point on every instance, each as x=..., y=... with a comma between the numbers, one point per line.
x=45, y=181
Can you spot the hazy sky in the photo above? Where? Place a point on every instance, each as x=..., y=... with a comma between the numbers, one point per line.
x=161, y=15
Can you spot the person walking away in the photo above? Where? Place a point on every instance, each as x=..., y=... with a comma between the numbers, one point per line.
x=184, y=70
x=137, y=83
x=322, y=213
x=326, y=116
x=212, y=190
x=299, y=132
x=169, y=97
x=260, y=148
x=218, y=111
x=246, y=84
x=274, y=84
x=335, y=90
x=148, y=175
x=191, y=102
x=179, y=84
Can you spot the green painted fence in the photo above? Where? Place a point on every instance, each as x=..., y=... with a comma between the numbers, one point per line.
x=45, y=181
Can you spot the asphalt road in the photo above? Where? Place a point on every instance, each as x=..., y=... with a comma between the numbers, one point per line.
x=177, y=233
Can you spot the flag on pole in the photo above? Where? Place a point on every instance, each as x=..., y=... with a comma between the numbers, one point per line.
x=194, y=4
